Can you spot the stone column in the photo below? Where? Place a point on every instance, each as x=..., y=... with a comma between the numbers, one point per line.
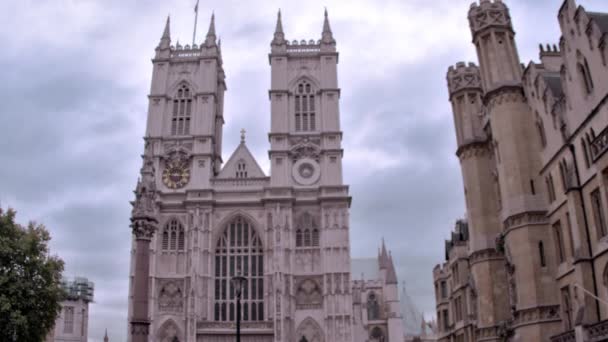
x=143, y=227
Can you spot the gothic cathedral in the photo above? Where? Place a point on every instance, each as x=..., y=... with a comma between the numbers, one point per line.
x=287, y=232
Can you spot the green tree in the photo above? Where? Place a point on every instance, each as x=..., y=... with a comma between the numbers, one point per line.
x=30, y=281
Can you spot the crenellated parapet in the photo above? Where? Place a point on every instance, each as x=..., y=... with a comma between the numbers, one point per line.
x=463, y=77
x=489, y=14
x=465, y=88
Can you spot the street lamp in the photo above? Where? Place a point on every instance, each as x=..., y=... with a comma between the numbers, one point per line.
x=238, y=282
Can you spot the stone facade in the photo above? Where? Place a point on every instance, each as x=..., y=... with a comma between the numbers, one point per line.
x=72, y=324
x=198, y=221
x=531, y=142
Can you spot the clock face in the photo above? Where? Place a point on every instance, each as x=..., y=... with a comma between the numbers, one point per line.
x=176, y=174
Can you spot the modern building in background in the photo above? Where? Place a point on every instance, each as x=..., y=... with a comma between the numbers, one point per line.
x=72, y=325
x=529, y=263
x=198, y=220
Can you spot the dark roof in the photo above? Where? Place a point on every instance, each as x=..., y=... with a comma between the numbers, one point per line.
x=601, y=19
x=554, y=83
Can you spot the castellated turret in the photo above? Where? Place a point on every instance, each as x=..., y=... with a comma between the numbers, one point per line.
x=493, y=36
x=464, y=85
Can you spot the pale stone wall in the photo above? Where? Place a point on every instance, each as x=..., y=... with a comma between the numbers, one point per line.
x=544, y=140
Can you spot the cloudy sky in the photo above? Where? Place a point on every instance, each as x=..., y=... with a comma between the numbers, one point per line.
x=75, y=75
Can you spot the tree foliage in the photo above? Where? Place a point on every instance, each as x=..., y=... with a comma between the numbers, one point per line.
x=30, y=281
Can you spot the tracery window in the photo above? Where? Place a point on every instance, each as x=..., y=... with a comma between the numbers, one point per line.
x=305, y=107
x=239, y=251
x=173, y=236
x=181, y=111
x=373, y=308
x=307, y=233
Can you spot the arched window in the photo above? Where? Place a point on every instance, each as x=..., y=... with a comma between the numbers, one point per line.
x=304, y=107
x=239, y=251
x=307, y=233
x=373, y=308
x=241, y=169
x=173, y=236
x=585, y=76
x=181, y=111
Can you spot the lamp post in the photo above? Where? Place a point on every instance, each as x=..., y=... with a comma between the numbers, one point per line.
x=238, y=282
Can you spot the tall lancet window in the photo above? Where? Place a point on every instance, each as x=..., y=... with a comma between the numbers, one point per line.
x=181, y=111
x=305, y=107
x=373, y=308
x=239, y=251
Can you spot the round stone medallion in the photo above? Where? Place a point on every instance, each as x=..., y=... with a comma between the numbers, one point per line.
x=306, y=171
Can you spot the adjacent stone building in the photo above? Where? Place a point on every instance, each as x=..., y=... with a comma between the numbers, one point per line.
x=72, y=324
x=530, y=262
x=198, y=220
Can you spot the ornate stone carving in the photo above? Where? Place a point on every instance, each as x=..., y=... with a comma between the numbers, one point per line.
x=308, y=294
x=505, y=94
x=305, y=147
x=526, y=218
x=145, y=209
x=487, y=254
x=537, y=314
x=463, y=77
x=474, y=149
x=489, y=14
x=170, y=296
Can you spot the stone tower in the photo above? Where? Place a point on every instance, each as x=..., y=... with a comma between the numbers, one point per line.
x=306, y=157
x=287, y=233
x=528, y=244
x=483, y=212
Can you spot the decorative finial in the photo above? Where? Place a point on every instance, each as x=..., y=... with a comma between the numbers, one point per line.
x=327, y=36
x=165, y=39
x=243, y=135
x=210, y=41
x=279, y=36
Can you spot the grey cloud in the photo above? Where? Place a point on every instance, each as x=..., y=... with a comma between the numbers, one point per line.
x=72, y=120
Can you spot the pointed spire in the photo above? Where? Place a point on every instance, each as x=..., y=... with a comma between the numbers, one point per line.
x=279, y=27
x=391, y=275
x=383, y=258
x=210, y=41
x=105, y=337
x=165, y=40
x=327, y=36
x=279, y=36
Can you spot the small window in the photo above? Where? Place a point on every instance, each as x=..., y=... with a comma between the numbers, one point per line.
x=559, y=241
x=241, y=169
x=541, y=252
x=598, y=213
x=585, y=76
